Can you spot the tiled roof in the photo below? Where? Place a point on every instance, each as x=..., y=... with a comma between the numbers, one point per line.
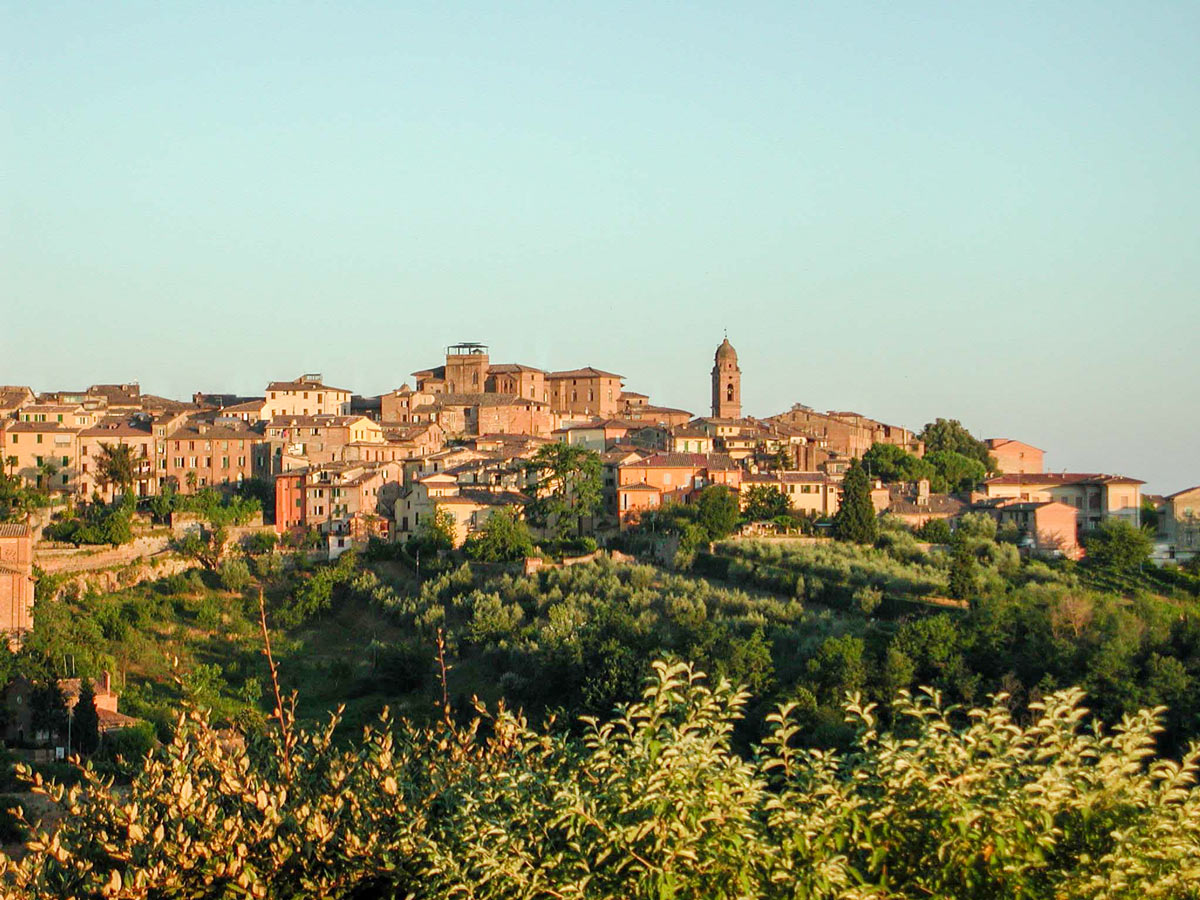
x=482, y=399
x=485, y=498
x=194, y=431
x=510, y=369
x=15, y=427
x=586, y=372
x=255, y=405
x=639, y=486
x=14, y=530
x=1061, y=478
x=789, y=478
x=118, y=427
x=1181, y=493
x=997, y=443
x=718, y=461
x=303, y=386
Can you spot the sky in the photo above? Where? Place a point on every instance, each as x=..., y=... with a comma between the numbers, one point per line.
x=983, y=211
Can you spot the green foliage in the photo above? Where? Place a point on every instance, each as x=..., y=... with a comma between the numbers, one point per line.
x=503, y=538
x=764, y=503
x=1117, y=546
x=206, y=546
x=935, y=531
x=963, y=574
x=259, y=543
x=85, y=725
x=890, y=463
x=116, y=466
x=955, y=471
x=855, y=520
x=717, y=511
x=18, y=499
x=949, y=435
x=235, y=574
x=653, y=802
x=567, y=486
x=97, y=523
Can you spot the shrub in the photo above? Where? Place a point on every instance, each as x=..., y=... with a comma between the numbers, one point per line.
x=651, y=802
x=235, y=574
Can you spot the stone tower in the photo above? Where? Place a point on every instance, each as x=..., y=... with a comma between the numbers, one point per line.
x=726, y=383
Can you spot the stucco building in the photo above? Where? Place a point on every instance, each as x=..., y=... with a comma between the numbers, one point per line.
x=16, y=582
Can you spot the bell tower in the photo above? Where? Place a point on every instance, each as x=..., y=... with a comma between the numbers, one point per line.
x=726, y=383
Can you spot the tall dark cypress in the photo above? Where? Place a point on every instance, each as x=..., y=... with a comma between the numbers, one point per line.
x=855, y=519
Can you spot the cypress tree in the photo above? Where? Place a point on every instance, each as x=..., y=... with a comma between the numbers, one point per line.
x=855, y=519
x=962, y=574
x=85, y=731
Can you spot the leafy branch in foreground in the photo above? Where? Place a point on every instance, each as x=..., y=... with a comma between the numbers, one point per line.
x=651, y=803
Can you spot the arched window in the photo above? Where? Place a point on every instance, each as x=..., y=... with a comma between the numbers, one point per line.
x=729, y=392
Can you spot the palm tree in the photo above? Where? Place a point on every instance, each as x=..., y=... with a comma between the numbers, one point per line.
x=116, y=466
x=47, y=469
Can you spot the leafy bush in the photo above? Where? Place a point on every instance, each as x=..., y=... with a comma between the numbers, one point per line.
x=235, y=574
x=652, y=802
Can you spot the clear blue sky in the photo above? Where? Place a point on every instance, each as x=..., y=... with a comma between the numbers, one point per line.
x=988, y=211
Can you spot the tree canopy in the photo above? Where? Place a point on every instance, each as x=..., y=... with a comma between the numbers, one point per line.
x=950, y=435
x=855, y=520
x=568, y=486
x=764, y=503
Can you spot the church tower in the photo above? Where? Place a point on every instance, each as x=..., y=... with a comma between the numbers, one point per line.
x=726, y=383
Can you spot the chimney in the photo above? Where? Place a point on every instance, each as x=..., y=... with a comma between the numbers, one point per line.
x=107, y=682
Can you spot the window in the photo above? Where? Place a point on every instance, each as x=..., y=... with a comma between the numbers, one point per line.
x=39, y=439
x=66, y=460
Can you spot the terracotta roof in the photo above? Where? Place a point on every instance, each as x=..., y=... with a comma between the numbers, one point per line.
x=318, y=421
x=790, y=478
x=510, y=369
x=586, y=372
x=484, y=498
x=717, y=461
x=15, y=427
x=303, y=386
x=997, y=443
x=482, y=399
x=193, y=431
x=254, y=405
x=112, y=721
x=118, y=427
x=1181, y=493
x=1062, y=478
x=14, y=530
x=639, y=486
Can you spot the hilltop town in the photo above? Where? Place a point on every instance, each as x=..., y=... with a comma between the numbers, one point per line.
x=343, y=469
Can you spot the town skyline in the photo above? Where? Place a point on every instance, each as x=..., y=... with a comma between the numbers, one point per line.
x=760, y=393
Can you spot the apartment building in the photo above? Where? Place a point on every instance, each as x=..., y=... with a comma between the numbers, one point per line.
x=808, y=493
x=585, y=392
x=1094, y=497
x=308, y=395
x=197, y=454
x=1016, y=457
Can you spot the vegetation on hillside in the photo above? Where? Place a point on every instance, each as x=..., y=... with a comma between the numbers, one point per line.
x=651, y=802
